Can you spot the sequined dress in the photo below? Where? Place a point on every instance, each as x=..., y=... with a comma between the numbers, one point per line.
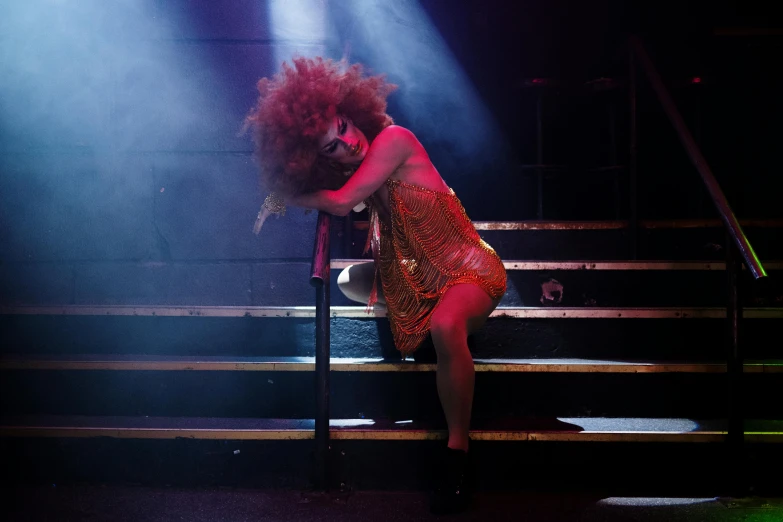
x=428, y=246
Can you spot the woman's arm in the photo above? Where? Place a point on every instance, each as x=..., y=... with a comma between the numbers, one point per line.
x=390, y=149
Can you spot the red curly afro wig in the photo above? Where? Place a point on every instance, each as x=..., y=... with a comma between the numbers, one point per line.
x=294, y=110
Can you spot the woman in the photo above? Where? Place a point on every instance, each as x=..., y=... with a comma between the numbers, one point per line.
x=325, y=142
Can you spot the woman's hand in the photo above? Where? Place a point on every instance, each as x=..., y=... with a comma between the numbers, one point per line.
x=262, y=215
x=273, y=204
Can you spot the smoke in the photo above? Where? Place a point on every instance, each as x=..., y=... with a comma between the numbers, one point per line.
x=89, y=88
x=435, y=96
x=97, y=96
x=93, y=73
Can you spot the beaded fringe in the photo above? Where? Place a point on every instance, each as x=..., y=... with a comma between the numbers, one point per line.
x=431, y=246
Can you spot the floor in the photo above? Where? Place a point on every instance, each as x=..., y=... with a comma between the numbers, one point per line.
x=95, y=503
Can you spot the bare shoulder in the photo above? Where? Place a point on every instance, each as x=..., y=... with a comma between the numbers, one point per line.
x=396, y=136
x=416, y=169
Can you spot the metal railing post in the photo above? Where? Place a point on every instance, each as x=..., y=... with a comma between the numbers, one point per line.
x=540, y=154
x=633, y=202
x=734, y=369
x=319, y=278
x=738, y=249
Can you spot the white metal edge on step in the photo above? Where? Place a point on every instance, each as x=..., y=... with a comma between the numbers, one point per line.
x=763, y=437
x=629, y=436
x=533, y=435
x=631, y=313
x=618, y=225
x=154, y=433
x=360, y=312
x=131, y=365
x=337, y=433
x=550, y=225
x=377, y=365
x=607, y=225
x=523, y=265
x=166, y=311
x=362, y=434
x=533, y=225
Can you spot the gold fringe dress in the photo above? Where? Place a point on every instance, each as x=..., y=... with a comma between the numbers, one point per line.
x=428, y=246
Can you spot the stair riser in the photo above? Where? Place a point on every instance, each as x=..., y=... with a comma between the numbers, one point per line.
x=661, y=243
x=398, y=396
x=624, y=288
x=624, y=469
x=635, y=339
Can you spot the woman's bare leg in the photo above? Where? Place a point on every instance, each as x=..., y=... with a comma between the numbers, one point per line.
x=462, y=310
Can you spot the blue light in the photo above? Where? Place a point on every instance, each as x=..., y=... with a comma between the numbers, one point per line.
x=297, y=28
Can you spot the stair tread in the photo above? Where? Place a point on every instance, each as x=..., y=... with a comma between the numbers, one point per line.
x=237, y=363
x=615, y=265
x=553, y=428
x=583, y=312
x=607, y=224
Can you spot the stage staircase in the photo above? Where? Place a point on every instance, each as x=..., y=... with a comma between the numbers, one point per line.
x=602, y=367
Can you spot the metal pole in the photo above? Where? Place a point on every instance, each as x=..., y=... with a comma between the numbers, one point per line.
x=320, y=274
x=633, y=216
x=697, y=138
x=348, y=236
x=613, y=161
x=734, y=368
x=540, y=154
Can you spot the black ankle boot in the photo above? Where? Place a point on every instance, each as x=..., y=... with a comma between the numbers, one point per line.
x=453, y=488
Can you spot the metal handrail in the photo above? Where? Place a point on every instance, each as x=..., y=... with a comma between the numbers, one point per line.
x=727, y=215
x=737, y=244
x=319, y=278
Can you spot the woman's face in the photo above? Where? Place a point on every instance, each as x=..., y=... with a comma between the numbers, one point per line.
x=343, y=142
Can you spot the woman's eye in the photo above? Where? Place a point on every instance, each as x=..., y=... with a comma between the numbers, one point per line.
x=343, y=127
x=332, y=148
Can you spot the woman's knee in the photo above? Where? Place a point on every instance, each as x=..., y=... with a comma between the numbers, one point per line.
x=448, y=332
x=355, y=281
